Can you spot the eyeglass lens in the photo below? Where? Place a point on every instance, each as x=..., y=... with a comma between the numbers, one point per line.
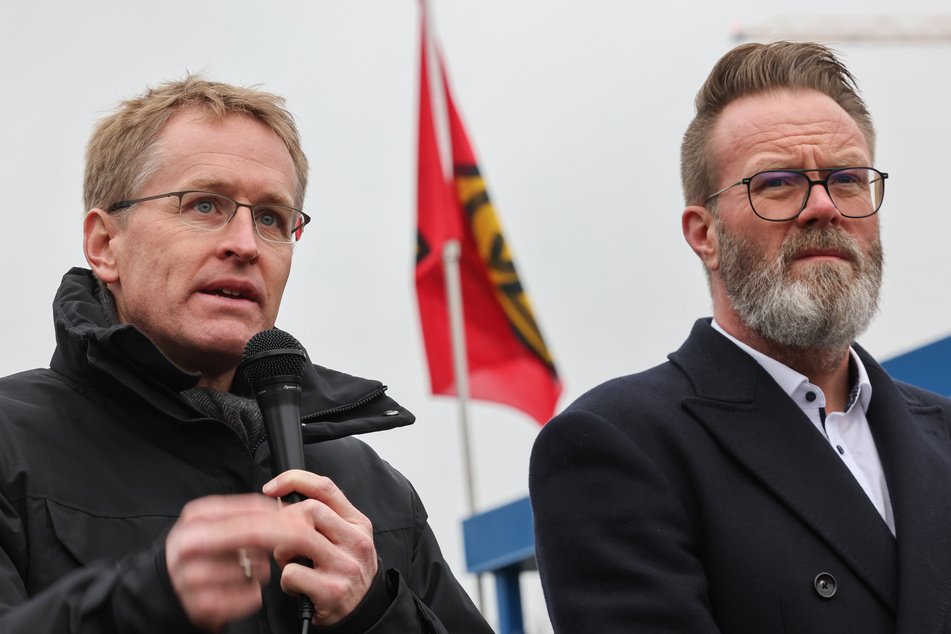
x=211, y=211
x=779, y=195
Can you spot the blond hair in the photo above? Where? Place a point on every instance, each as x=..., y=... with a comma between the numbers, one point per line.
x=752, y=69
x=124, y=150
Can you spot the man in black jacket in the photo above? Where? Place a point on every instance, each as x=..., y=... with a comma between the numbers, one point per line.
x=132, y=470
x=771, y=477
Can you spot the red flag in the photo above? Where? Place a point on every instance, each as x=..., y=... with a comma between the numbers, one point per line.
x=508, y=361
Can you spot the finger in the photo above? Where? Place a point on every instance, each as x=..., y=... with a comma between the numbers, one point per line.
x=212, y=605
x=254, y=566
x=221, y=506
x=314, y=487
x=240, y=567
x=313, y=544
x=333, y=544
x=224, y=531
x=353, y=533
x=333, y=593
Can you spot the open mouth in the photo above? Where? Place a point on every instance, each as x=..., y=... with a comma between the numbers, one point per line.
x=226, y=292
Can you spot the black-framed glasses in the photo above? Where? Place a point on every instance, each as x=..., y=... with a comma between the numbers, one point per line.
x=780, y=195
x=211, y=212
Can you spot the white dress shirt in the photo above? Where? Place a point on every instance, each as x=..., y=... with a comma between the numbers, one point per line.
x=847, y=432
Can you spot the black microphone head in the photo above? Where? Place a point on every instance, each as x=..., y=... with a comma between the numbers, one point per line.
x=272, y=353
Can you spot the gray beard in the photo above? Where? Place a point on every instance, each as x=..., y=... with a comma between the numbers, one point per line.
x=826, y=308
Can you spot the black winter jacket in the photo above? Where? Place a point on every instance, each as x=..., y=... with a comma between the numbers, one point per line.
x=98, y=455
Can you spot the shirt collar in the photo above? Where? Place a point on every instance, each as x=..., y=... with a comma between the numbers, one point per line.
x=791, y=381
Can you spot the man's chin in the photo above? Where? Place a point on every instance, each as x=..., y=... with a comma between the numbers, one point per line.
x=219, y=350
x=809, y=267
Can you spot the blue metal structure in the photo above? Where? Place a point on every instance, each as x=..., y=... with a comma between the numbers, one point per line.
x=928, y=367
x=501, y=541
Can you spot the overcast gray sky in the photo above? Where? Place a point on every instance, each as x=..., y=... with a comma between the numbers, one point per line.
x=575, y=110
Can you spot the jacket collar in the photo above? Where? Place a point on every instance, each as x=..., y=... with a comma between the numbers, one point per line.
x=333, y=404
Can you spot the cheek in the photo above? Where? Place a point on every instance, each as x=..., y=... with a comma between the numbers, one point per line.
x=279, y=269
x=870, y=236
x=156, y=276
x=154, y=268
x=150, y=248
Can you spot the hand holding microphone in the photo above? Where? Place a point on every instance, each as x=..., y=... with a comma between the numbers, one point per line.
x=217, y=553
x=342, y=542
x=274, y=366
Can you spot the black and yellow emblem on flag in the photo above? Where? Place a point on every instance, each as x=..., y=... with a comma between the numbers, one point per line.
x=492, y=248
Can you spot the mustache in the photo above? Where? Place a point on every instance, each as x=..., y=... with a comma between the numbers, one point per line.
x=828, y=239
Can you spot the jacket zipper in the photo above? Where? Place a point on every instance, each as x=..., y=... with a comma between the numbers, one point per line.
x=336, y=410
x=345, y=408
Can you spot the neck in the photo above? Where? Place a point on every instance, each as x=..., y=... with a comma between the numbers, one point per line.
x=220, y=382
x=827, y=368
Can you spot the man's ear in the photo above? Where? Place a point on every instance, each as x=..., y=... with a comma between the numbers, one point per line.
x=700, y=232
x=99, y=231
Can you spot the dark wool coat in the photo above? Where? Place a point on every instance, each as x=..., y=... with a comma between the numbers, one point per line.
x=697, y=497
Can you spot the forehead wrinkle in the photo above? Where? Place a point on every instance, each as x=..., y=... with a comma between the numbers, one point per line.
x=787, y=146
x=767, y=164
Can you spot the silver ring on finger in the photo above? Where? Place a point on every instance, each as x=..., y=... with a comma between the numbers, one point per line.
x=245, y=562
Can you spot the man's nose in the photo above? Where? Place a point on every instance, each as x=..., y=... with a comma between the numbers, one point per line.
x=241, y=235
x=820, y=209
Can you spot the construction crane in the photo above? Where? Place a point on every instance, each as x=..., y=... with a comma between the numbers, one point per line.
x=911, y=29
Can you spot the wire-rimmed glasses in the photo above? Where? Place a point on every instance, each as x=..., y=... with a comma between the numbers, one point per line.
x=211, y=212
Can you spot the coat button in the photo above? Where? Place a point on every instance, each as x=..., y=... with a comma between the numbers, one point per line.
x=825, y=585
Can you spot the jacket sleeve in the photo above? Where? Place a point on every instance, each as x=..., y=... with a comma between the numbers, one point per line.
x=131, y=596
x=615, y=548
x=439, y=599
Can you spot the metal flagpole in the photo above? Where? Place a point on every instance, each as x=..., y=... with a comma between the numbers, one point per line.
x=452, y=253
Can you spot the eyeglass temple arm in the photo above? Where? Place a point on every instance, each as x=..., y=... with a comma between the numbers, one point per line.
x=124, y=204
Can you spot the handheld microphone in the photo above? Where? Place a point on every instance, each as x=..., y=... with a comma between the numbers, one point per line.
x=274, y=366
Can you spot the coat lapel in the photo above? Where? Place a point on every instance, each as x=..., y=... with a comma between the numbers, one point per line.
x=914, y=446
x=763, y=429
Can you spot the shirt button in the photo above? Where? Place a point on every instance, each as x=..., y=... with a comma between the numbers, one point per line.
x=825, y=585
x=841, y=450
x=810, y=396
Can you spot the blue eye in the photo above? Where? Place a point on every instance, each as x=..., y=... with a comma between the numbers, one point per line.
x=203, y=204
x=776, y=183
x=273, y=223
x=205, y=210
x=204, y=207
x=846, y=178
